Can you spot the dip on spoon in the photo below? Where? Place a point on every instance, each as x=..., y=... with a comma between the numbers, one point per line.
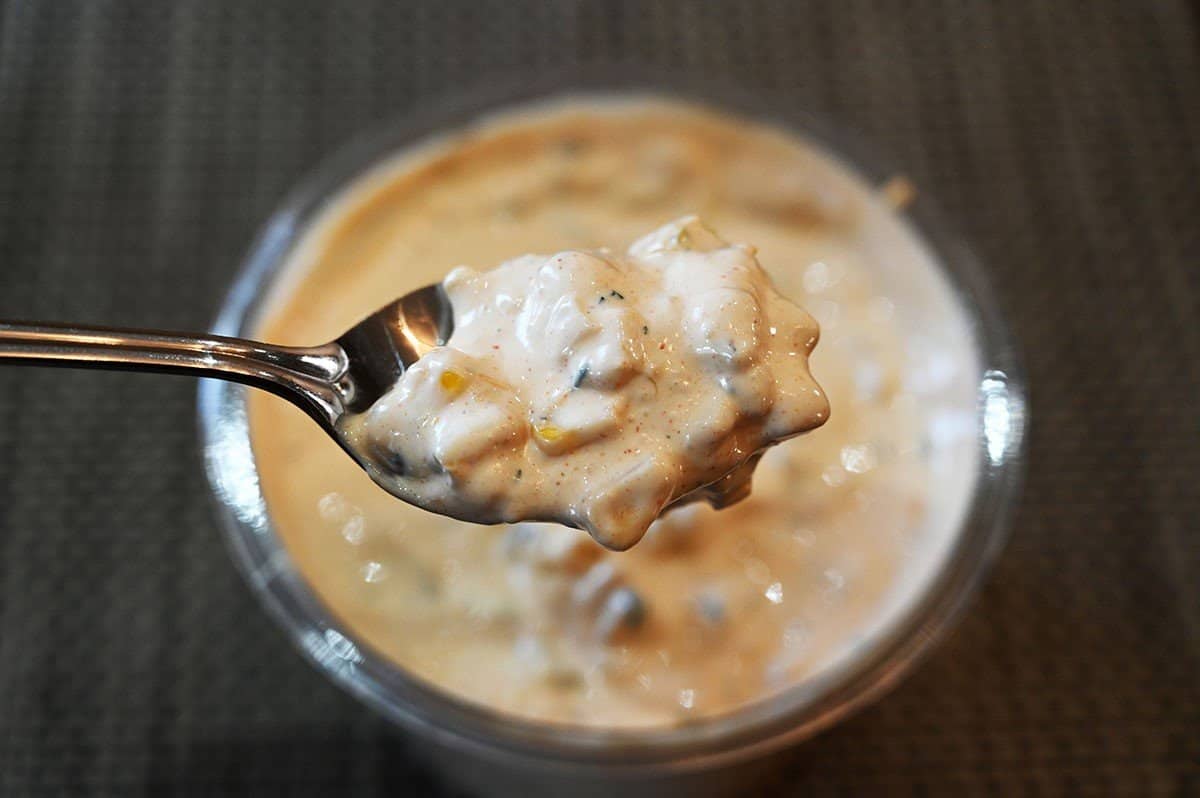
x=596, y=390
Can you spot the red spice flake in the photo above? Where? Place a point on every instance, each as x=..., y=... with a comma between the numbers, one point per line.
x=495, y=346
x=662, y=345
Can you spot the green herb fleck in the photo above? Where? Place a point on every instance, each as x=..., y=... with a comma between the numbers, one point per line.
x=563, y=678
x=570, y=147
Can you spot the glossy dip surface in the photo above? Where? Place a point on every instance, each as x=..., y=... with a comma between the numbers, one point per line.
x=845, y=528
x=595, y=389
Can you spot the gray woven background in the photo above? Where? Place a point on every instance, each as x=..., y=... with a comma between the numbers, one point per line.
x=141, y=144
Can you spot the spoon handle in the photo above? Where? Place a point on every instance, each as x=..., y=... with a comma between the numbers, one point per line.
x=305, y=375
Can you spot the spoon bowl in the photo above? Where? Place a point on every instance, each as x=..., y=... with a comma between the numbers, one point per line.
x=382, y=346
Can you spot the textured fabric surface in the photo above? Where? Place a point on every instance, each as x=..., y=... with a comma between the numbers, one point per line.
x=141, y=144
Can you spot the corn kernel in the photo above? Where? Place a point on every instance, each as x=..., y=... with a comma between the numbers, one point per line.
x=452, y=382
x=549, y=433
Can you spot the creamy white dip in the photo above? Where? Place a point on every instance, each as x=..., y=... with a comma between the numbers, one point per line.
x=845, y=530
x=595, y=390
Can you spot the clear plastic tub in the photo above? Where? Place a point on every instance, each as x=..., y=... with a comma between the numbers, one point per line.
x=508, y=755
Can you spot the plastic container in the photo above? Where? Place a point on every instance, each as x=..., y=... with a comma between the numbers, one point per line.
x=498, y=754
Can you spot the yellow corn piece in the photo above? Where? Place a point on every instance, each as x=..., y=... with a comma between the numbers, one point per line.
x=452, y=382
x=549, y=433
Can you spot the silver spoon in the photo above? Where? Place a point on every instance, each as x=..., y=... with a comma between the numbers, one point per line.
x=333, y=382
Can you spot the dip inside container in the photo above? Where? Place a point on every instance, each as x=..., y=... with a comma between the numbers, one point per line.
x=847, y=527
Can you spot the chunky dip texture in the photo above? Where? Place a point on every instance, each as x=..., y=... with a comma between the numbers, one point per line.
x=596, y=389
x=845, y=530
